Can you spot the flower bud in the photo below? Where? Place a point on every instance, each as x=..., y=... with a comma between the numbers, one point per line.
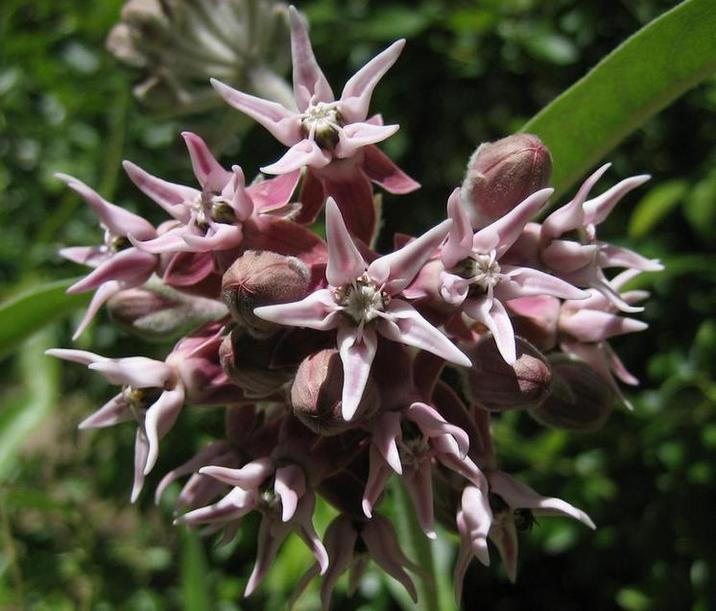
x=247, y=362
x=580, y=399
x=496, y=386
x=158, y=312
x=260, y=278
x=503, y=173
x=316, y=395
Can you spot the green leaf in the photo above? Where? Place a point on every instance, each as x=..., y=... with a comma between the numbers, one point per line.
x=24, y=412
x=194, y=573
x=700, y=208
x=647, y=72
x=652, y=208
x=42, y=304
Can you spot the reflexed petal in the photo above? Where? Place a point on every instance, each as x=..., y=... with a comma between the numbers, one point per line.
x=357, y=135
x=119, y=221
x=595, y=326
x=459, y=242
x=403, y=324
x=354, y=195
x=159, y=419
x=304, y=520
x=141, y=449
x=477, y=519
x=83, y=357
x=493, y=315
x=453, y=289
x=91, y=256
x=419, y=483
x=271, y=535
x=502, y=233
x=274, y=193
x=309, y=82
x=355, y=98
x=378, y=476
x=385, y=438
x=290, y=486
x=504, y=535
x=250, y=476
x=398, y=269
x=171, y=241
x=340, y=539
x=302, y=154
x=224, y=237
x=175, y=199
x=357, y=350
x=130, y=266
x=518, y=495
x=528, y=282
x=614, y=256
x=135, y=371
x=566, y=256
x=382, y=171
x=283, y=124
x=345, y=262
x=617, y=367
x=233, y=506
x=101, y=295
x=241, y=200
x=382, y=543
x=317, y=311
x=432, y=424
x=111, y=413
x=208, y=171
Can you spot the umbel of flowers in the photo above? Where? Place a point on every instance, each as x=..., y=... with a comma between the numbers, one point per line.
x=328, y=357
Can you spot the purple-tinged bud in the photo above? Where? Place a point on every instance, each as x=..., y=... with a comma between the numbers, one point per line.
x=158, y=312
x=260, y=278
x=247, y=361
x=503, y=173
x=316, y=395
x=496, y=386
x=580, y=399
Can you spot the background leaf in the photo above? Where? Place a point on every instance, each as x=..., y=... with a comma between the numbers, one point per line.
x=640, y=77
x=23, y=315
x=654, y=206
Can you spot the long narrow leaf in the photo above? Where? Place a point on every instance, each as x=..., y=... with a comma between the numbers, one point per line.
x=647, y=72
x=23, y=315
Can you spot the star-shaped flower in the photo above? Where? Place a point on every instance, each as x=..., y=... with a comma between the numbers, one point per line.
x=476, y=281
x=362, y=301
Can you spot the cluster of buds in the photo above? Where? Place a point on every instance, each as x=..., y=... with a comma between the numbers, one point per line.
x=329, y=358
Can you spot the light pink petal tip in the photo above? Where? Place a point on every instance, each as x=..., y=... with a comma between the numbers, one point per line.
x=357, y=351
x=305, y=153
x=208, y=171
x=345, y=262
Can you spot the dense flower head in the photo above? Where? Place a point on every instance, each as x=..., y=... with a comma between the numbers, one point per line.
x=334, y=362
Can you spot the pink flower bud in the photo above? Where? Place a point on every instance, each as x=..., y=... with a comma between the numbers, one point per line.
x=247, y=361
x=503, y=173
x=316, y=395
x=580, y=399
x=497, y=386
x=260, y=278
x=158, y=312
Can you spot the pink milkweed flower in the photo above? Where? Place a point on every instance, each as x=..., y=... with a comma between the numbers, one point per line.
x=154, y=392
x=581, y=263
x=362, y=301
x=322, y=131
x=287, y=505
x=350, y=545
x=586, y=325
x=475, y=280
x=117, y=264
x=209, y=219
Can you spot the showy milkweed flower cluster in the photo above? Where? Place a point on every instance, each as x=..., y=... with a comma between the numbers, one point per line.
x=328, y=357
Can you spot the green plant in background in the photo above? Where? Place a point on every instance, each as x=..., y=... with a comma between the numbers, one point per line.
x=645, y=477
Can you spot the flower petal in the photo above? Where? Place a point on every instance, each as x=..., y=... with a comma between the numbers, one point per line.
x=398, y=269
x=492, y=314
x=419, y=483
x=345, y=262
x=159, y=419
x=355, y=98
x=403, y=324
x=274, y=193
x=135, y=371
x=595, y=326
x=357, y=350
x=317, y=311
x=459, y=243
x=382, y=171
x=303, y=153
x=250, y=476
x=290, y=486
x=598, y=208
x=283, y=124
x=175, y=199
x=357, y=135
x=111, y=413
x=528, y=282
x=432, y=424
x=309, y=82
x=208, y=171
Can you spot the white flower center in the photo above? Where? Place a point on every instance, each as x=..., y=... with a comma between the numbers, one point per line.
x=322, y=122
x=362, y=300
x=212, y=208
x=481, y=269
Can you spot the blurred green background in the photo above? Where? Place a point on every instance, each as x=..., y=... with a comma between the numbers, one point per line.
x=472, y=72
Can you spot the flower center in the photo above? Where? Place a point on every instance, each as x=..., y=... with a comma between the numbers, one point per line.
x=214, y=209
x=362, y=300
x=413, y=445
x=481, y=269
x=139, y=399
x=322, y=122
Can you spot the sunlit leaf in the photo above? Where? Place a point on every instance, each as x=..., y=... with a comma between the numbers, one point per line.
x=640, y=77
x=194, y=573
